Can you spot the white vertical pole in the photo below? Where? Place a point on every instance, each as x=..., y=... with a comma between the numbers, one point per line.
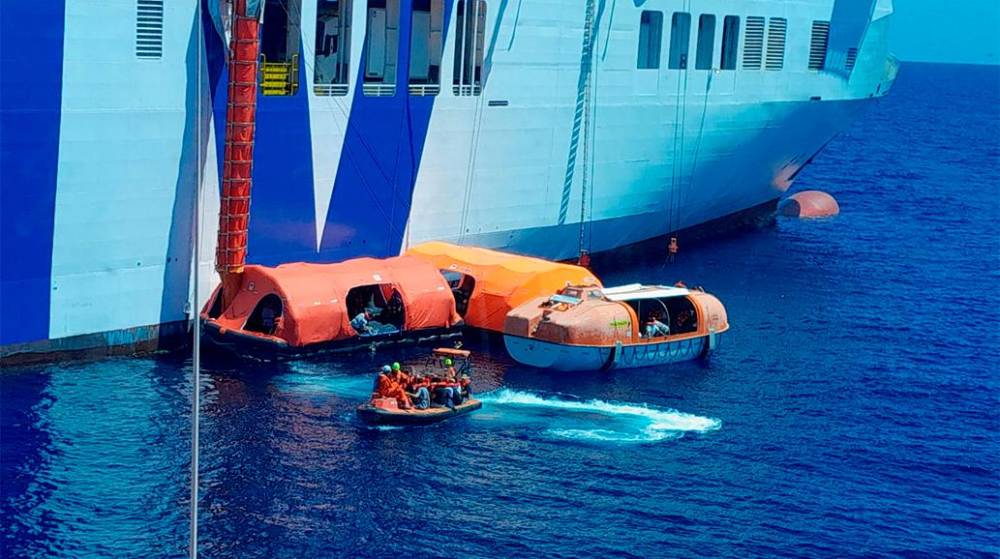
x=195, y=307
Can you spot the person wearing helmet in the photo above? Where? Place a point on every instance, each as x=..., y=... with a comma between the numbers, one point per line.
x=465, y=387
x=378, y=378
x=400, y=376
x=388, y=386
x=447, y=391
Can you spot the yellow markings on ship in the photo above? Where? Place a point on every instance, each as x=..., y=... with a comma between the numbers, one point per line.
x=621, y=323
x=279, y=78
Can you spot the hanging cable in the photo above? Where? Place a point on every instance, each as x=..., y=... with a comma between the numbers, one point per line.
x=195, y=308
x=587, y=68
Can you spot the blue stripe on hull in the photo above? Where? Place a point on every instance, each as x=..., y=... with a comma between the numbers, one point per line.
x=282, y=218
x=379, y=163
x=282, y=227
x=31, y=43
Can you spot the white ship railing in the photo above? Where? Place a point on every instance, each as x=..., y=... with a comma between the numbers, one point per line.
x=379, y=89
x=331, y=90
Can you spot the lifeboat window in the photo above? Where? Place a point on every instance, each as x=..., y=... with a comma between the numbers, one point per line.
x=426, y=46
x=462, y=286
x=706, y=42
x=383, y=302
x=775, y=44
x=381, y=46
x=266, y=316
x=730, y=42
x=680, y=39
x=650, y=37
x=279, y=47
x=470, y=31
x=331, y=70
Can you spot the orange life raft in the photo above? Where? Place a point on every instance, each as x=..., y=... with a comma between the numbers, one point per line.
x=294, y=308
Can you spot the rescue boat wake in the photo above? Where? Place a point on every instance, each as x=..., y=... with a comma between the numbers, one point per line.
x=598, y=420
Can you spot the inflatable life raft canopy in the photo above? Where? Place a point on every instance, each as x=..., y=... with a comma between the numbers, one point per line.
x=303, y=304
x=487, y=284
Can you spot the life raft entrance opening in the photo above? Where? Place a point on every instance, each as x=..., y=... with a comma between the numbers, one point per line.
x=266, y=315
x=462, y=286
x=382, y=300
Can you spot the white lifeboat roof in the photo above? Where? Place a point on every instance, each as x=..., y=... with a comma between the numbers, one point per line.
x=635, y=291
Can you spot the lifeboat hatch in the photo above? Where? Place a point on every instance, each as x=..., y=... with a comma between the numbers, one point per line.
x=266, y=315
x=382, y=300
x=462, y=287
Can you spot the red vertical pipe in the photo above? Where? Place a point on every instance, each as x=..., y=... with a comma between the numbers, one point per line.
x=237, y=167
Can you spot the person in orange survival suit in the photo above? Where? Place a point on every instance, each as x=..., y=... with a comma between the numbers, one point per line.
x=388, y=386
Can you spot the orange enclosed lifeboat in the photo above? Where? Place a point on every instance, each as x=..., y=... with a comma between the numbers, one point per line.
x=298, y=308
x=583, y=328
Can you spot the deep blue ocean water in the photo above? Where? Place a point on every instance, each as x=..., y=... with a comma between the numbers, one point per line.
x=851, y=411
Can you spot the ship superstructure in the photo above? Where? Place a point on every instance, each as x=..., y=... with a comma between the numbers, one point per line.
x=519, y=124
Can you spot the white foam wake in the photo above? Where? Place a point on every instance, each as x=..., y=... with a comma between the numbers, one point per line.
x=636, y=422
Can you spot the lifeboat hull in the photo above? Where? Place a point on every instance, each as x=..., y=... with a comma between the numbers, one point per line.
x=563, y=357
x=378, y=416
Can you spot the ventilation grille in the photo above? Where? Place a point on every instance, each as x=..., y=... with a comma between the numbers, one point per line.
x=817, y=47
x=753, y=45
x=776, y=43
x=852, y=57
x=149, y=29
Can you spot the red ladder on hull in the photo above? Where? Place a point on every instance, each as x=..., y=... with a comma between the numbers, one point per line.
x=237, y=167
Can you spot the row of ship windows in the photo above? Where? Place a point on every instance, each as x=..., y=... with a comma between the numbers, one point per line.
x=754, y=54
x=280, y=44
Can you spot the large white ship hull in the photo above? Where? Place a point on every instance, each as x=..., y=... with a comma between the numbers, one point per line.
x=103, y=150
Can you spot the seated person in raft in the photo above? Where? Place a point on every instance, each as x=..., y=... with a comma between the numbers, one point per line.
x=419, y=391
x=365, y=325
x=449, y=390
x=655, y=328
x=362, y=324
